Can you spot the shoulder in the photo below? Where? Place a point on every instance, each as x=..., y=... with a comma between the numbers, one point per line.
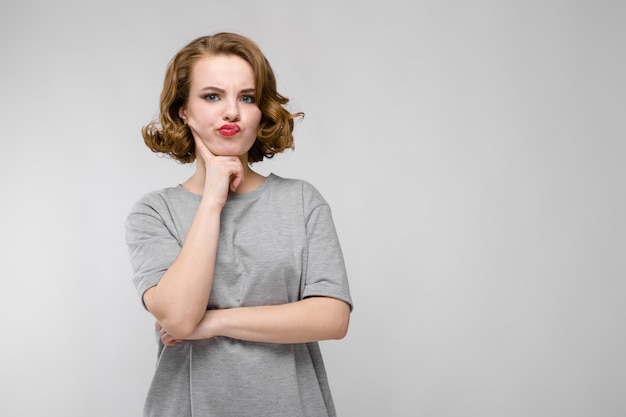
x=162, y=203
x=160, y=211
x=298, y=188
x=155, y=199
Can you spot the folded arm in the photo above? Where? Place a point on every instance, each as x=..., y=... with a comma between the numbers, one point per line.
x=309, y=320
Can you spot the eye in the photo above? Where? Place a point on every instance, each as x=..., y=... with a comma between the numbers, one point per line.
x=211, y=97
x=248, y=99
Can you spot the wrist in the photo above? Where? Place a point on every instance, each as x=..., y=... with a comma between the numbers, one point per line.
x=211, y=206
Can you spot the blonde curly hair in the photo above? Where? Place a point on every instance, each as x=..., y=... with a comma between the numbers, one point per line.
x=171, y=136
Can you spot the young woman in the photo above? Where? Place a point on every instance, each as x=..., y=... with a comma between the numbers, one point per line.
x=243, y=273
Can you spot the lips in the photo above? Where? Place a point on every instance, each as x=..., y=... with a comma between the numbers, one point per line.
x=229, y=129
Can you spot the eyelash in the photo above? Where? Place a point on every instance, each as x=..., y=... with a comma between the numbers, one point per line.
x=214, y=97
x=210, y=97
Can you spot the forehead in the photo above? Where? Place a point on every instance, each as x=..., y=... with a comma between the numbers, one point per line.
x=222, y=71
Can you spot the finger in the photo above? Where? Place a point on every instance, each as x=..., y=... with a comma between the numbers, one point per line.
x=202, y=149
x=234, y=184
x=236, y=177
x=166, y=339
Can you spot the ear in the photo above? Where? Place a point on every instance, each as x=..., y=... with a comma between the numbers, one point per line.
x=182, y=113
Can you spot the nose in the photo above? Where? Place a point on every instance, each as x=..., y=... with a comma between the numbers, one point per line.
x=231, y=112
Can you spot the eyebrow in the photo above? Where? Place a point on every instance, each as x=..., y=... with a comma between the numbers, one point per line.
x=221, y=90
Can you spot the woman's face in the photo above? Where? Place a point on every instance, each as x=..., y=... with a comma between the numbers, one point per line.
x=221, y=110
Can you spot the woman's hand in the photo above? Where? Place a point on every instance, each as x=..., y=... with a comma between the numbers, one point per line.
x=166, y=338
x=205, y=330
x=222, y=173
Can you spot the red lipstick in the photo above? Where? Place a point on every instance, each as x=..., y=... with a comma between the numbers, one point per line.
x=229, y=129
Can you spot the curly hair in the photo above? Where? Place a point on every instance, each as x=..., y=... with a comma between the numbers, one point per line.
x=171, y=136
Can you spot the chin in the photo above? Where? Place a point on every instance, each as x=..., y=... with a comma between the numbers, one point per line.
x=229, y=149
x=228, y=153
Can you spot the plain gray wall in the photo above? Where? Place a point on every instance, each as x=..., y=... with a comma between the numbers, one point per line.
x=473, y=153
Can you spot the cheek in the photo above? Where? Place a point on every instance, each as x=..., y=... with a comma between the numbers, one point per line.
x=256, y=117
x=193, y=126
x=199, y=123
x=198, y=128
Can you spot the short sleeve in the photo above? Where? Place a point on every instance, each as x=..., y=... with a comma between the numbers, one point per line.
x=325, y=271
x=151, y=244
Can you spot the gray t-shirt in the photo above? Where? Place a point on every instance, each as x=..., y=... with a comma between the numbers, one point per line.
x=277, y=245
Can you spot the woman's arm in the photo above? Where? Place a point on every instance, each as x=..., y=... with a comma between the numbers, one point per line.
x=309, y=320
x=180, y=299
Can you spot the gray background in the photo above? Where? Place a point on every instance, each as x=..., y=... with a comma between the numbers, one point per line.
x=472, y=152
